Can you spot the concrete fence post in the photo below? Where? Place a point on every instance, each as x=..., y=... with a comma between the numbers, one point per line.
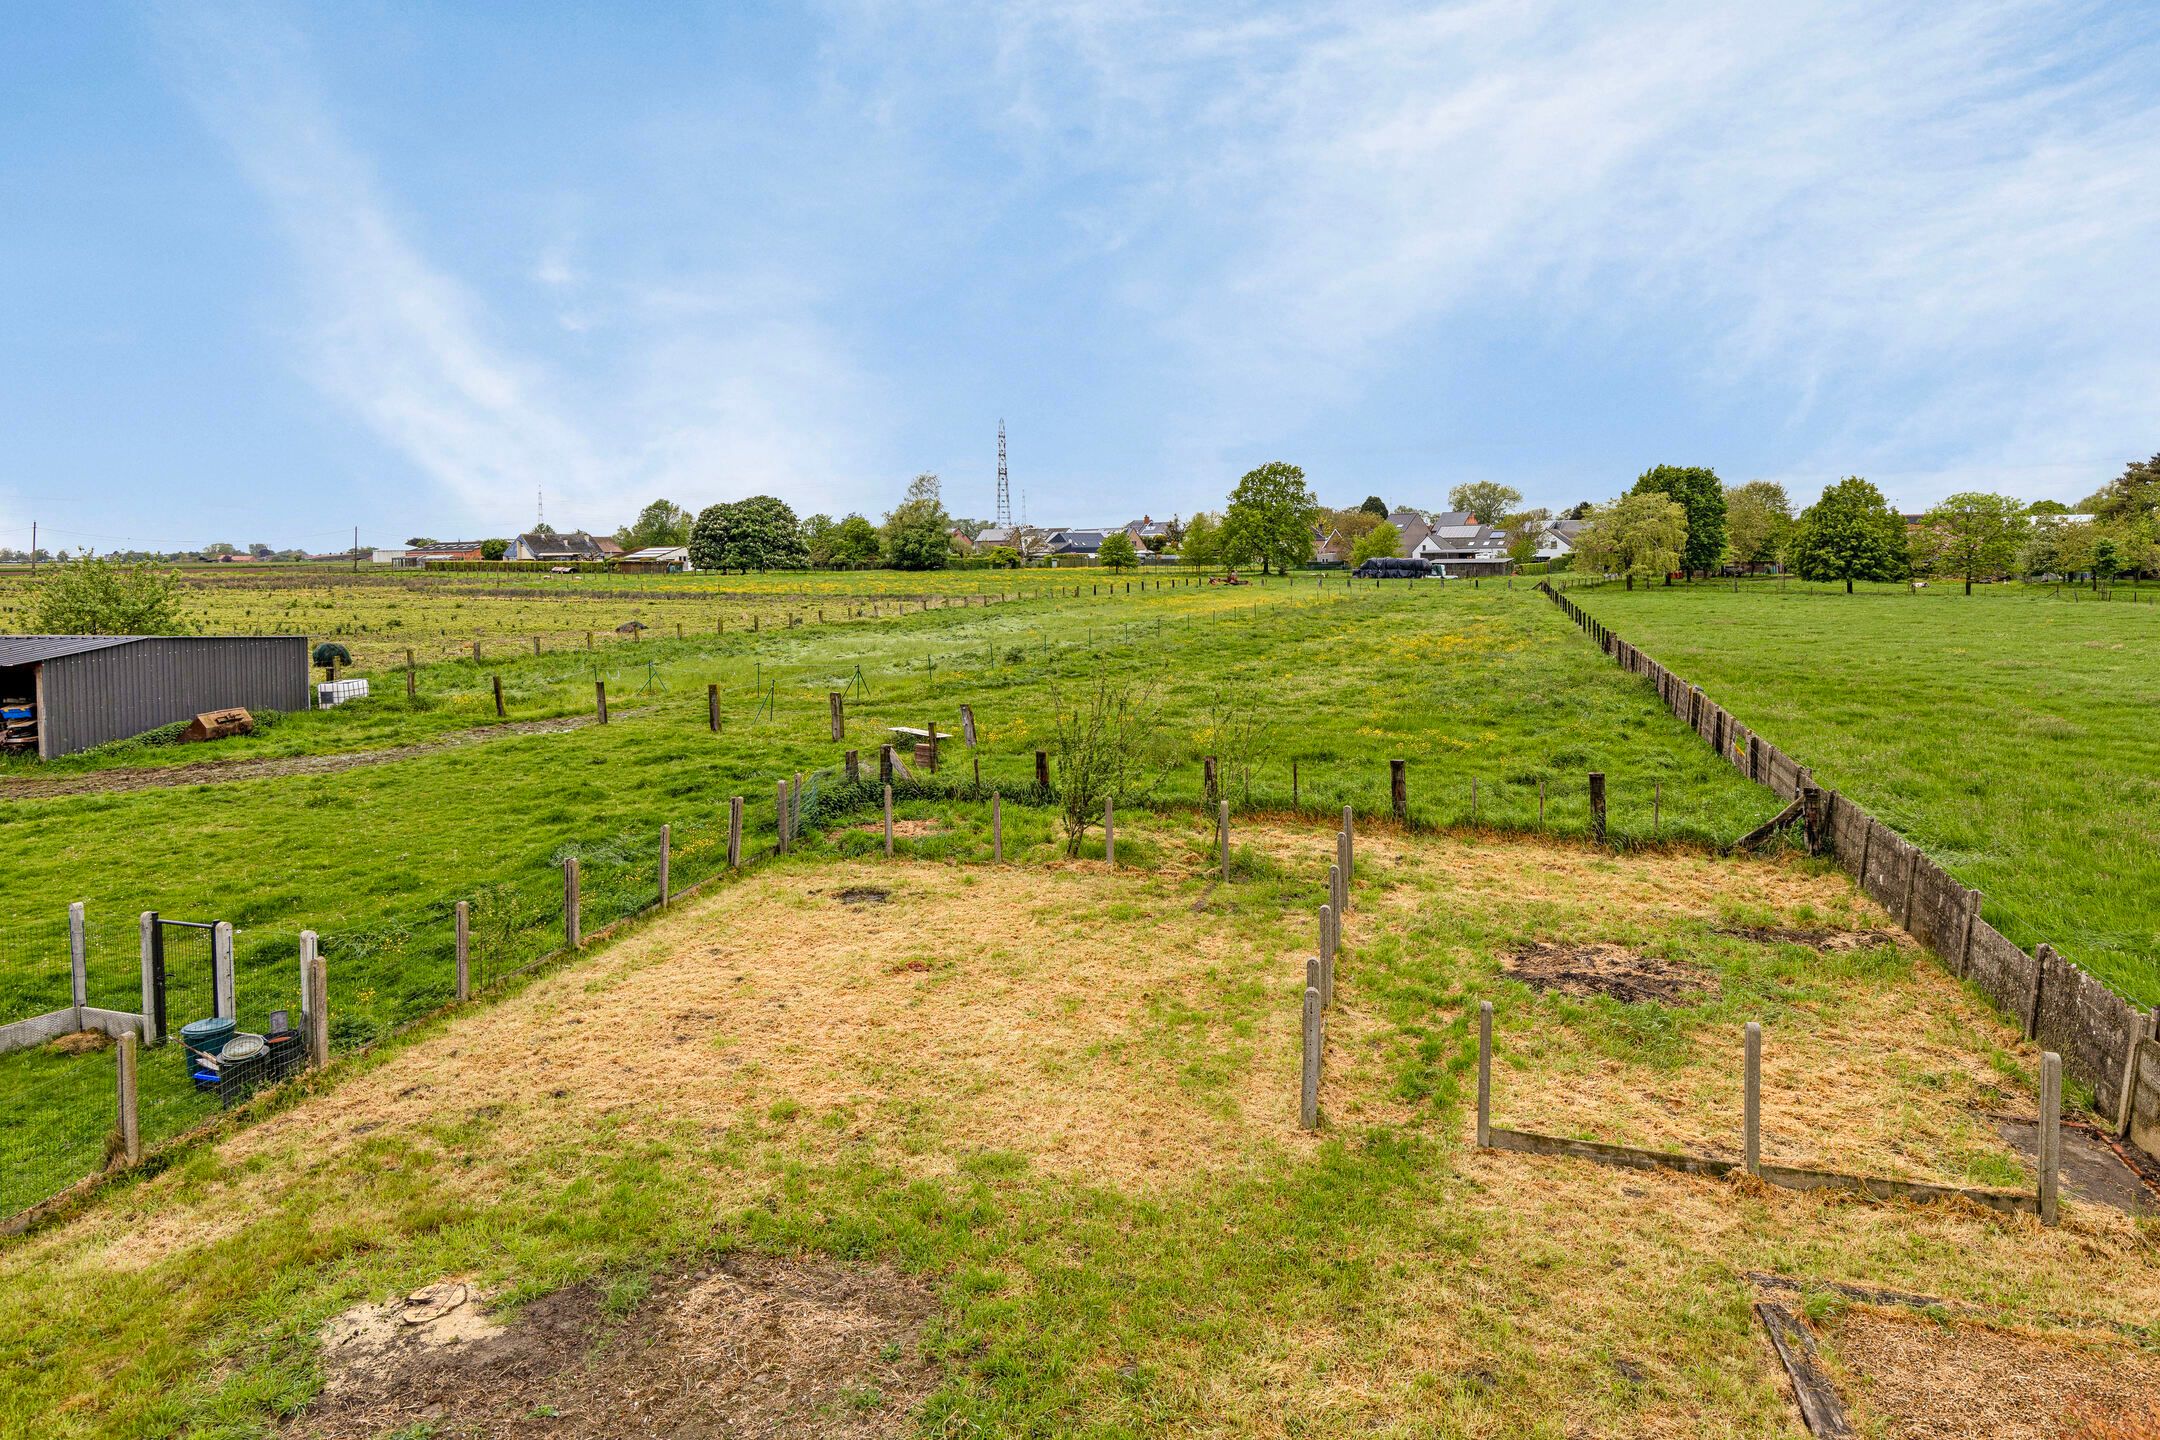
x=1329, y=940
x=1222, y=837
x=2050, y=1134
x=780, y=817
x=130, y=1108
x=1484, y=1074
x=221, y=970
x=1597, y=806
x=997, y=828
x=572, y=920
x=464, y=951
x=1751, y=1101
x=316, y=1010
x=1309, y=1080
x=667, y=837
x=734, y=833
x=78, y=962
x=888, y=822
x=146, y=936
x=1335, y=885
x=1399, y=790
x=1109, y=831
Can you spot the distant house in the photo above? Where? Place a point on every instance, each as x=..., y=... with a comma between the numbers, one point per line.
x=575, y=546
x=1147, y=528
x=1459, y=545
x=608, y=547
x=444, y=551
x=1329, y=548
x=1557, y=540
x=656, y=560
x=961, y=541
x=1412, y=526
x=1085, y=544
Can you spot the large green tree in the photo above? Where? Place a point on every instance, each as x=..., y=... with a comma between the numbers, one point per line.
x=1202, y=546
x=1702, y=496
x=1375, y=507
x=1270, y=519
x=1638, y=536
x=1758, y=522
x=759, y=533
x=2132, y=495
x=1971, y=534
x=1488, y=501
x=917, y=535
x=1118, y=551
x=855, y=543
x=1382, y=542
x=1850, y=534
x=93, y=596
x=663, y=522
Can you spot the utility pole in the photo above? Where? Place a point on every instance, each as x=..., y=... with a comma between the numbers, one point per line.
x=355, y=549
x=33, y=549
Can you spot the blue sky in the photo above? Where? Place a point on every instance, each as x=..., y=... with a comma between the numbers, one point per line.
x=270, y=271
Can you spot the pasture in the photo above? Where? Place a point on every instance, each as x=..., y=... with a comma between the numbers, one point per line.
x=2007, y=733
x=1481, y=688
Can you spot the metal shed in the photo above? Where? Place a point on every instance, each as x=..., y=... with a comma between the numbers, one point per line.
x=88, y=689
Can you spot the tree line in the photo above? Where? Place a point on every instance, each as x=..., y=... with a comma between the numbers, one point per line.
x=1684, y=520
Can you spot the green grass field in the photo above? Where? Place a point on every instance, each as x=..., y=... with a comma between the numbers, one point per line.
x=1474, y=687
x=2009, y=733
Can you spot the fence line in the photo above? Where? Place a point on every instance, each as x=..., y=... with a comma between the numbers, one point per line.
x=2107, y=1042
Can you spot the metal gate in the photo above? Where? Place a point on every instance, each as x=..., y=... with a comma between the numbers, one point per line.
x=191, y=968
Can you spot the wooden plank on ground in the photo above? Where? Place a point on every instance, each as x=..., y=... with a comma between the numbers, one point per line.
x=1820, y=1407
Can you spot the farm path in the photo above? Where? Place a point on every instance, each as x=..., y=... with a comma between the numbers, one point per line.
x=212, y=772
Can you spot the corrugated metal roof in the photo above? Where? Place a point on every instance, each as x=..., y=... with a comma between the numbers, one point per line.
x=34, y=649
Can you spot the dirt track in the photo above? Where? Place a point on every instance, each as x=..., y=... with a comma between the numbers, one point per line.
x=213, y=772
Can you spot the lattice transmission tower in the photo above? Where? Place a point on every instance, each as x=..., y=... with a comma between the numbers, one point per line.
x=1004, y=498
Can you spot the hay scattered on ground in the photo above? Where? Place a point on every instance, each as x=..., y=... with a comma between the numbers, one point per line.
x=1918, y=1379
x=82, y=1042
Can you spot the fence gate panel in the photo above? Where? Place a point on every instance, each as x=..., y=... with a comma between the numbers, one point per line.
x=188, y=974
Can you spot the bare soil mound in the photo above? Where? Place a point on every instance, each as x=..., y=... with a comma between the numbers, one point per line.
x=1614, y=970
x=753, y=1347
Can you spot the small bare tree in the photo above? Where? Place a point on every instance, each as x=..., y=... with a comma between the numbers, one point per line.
x=1232, y=736
x=1106, y=740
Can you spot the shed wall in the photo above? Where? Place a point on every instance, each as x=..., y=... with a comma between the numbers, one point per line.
x=123, y=690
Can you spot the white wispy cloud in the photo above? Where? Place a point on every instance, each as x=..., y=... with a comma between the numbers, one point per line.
x=1926, y=228
x=417, y=356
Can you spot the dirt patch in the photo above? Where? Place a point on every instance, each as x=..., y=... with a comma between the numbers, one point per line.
x=904, y=829
x=862, y=895
x=1613, y=970
x=215, y=772
x=82, y=1042
x=1832, y=942
x=753, y=1347
x=1918, y=1379
x=2092, y=1168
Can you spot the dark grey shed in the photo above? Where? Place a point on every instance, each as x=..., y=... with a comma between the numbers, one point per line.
x=93, y=688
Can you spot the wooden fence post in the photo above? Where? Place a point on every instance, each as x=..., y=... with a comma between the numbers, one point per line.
x=1042, y=770
x=1541, y=801
x=667, y=836
x=572, y=921
x=1751, y=1101
x=1207, y=780
x=997, y=828
x=1754, y=758
x=1309, y=1080
x=734, y=833
x=854, y=766
x=1811, y=817
x=497, y=681
x=780, y=818
x=1399, y=790
x=317, y=1008
x=2050, y=1133
x=600, y=700
x=1484, y=1074
x=885, y=765
x=712, y=708
x=1109, y=831
x=464, y=951
x=130, y=1111
x=1222, y=837
x=839, y=715
x=888, y=822
x=412, y=683
x=1597, y=807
